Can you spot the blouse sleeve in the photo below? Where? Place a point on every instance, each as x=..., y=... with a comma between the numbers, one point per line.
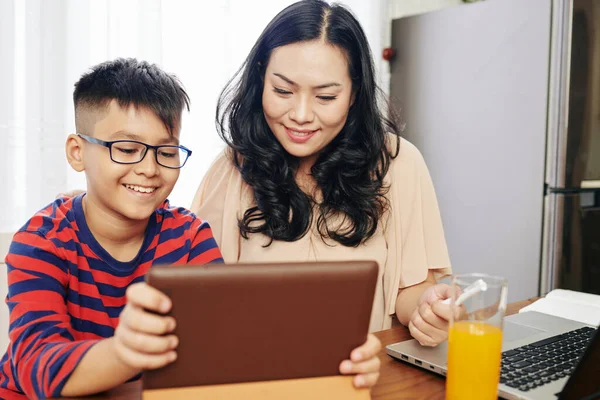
x=217, y=201
x=414, y=232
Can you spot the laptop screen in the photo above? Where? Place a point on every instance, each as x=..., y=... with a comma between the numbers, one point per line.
x=584, y=383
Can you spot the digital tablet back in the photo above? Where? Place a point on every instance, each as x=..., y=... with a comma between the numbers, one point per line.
x=257, y=322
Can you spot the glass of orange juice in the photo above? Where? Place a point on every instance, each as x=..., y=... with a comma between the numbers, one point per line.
x=475, y=336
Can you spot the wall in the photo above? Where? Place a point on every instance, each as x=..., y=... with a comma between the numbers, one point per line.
x=403, y=8
x=472, y=83
x=3, y=310
x=593, y=123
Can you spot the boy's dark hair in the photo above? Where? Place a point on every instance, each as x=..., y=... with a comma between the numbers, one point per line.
x=132, y=82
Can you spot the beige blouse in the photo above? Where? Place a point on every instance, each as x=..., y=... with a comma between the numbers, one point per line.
x=409, y=242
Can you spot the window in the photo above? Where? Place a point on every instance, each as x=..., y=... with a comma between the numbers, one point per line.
x=46, y=46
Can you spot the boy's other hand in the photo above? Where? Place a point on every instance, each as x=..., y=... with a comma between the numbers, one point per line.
x=70, y=193
x=142, y=340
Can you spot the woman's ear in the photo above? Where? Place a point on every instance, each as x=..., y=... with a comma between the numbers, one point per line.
x=74, y=151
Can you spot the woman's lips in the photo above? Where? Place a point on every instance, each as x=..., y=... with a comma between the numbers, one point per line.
x=300, y=135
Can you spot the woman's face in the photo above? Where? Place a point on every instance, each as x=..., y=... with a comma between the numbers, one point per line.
x=306, y=96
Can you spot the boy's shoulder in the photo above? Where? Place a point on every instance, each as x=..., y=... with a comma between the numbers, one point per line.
x=53, y=218
x=51, y=230
x=172, y=216
x=179, y=225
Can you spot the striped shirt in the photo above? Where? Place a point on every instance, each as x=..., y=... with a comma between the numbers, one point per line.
x=65, y=292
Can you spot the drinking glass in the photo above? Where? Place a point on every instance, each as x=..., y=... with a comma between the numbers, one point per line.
x=475, y=336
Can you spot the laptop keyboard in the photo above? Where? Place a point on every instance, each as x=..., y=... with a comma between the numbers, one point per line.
x=528, y=367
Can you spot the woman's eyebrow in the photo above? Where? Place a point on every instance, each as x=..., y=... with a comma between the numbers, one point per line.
x=291, y=82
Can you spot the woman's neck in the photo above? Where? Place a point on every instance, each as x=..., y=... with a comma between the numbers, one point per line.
x=304, y=178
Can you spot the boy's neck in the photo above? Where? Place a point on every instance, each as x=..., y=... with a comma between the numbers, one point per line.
x=121, y=238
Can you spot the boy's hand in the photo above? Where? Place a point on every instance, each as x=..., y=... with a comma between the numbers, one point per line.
x=141, y=339
x=364, y=363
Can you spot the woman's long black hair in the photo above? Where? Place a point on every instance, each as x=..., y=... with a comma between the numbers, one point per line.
x=349, y=171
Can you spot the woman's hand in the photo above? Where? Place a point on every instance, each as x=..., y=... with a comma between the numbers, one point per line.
x=429, y=321
x=364, y=362
x=141, y=339
x=70, y=193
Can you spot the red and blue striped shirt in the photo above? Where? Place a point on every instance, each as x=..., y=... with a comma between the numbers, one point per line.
x=65, y=292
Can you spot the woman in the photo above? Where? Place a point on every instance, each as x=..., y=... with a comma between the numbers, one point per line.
x=314, y=171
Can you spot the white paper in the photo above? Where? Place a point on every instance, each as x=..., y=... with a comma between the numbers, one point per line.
x=577, y=306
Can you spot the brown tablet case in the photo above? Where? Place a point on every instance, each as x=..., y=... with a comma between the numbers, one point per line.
x=250, y=323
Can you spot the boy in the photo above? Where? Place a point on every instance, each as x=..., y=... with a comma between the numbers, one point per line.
x=78, y=307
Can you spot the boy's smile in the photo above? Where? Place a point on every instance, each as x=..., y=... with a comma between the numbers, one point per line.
x=140, y=189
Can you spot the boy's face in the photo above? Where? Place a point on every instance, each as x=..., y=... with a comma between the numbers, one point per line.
x=132, y=191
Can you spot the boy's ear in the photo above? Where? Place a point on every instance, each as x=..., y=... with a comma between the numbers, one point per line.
x=74, y=150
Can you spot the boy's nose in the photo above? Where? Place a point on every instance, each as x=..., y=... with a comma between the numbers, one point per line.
x=148, y=166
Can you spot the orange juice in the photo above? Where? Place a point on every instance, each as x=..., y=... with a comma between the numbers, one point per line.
x=474, y=350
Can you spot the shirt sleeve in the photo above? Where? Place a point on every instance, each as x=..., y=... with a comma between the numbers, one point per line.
x=42, y=352
x=414, y=234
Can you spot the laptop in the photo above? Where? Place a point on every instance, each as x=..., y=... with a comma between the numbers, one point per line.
x=540, y=353
x=262, y=322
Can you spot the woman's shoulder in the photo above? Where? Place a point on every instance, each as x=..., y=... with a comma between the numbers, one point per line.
x=222, y=164
x=216, y=180
x=406, y=158
x=221, y=169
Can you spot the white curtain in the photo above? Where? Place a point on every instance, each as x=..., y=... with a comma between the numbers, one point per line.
x=45, y=45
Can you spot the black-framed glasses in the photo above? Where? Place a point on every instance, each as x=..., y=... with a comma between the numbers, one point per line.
x=133, y=152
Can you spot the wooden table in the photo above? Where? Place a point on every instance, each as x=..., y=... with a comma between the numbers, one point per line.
x=398, y=380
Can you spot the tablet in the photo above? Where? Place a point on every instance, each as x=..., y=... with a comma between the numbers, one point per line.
x=258, y=322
